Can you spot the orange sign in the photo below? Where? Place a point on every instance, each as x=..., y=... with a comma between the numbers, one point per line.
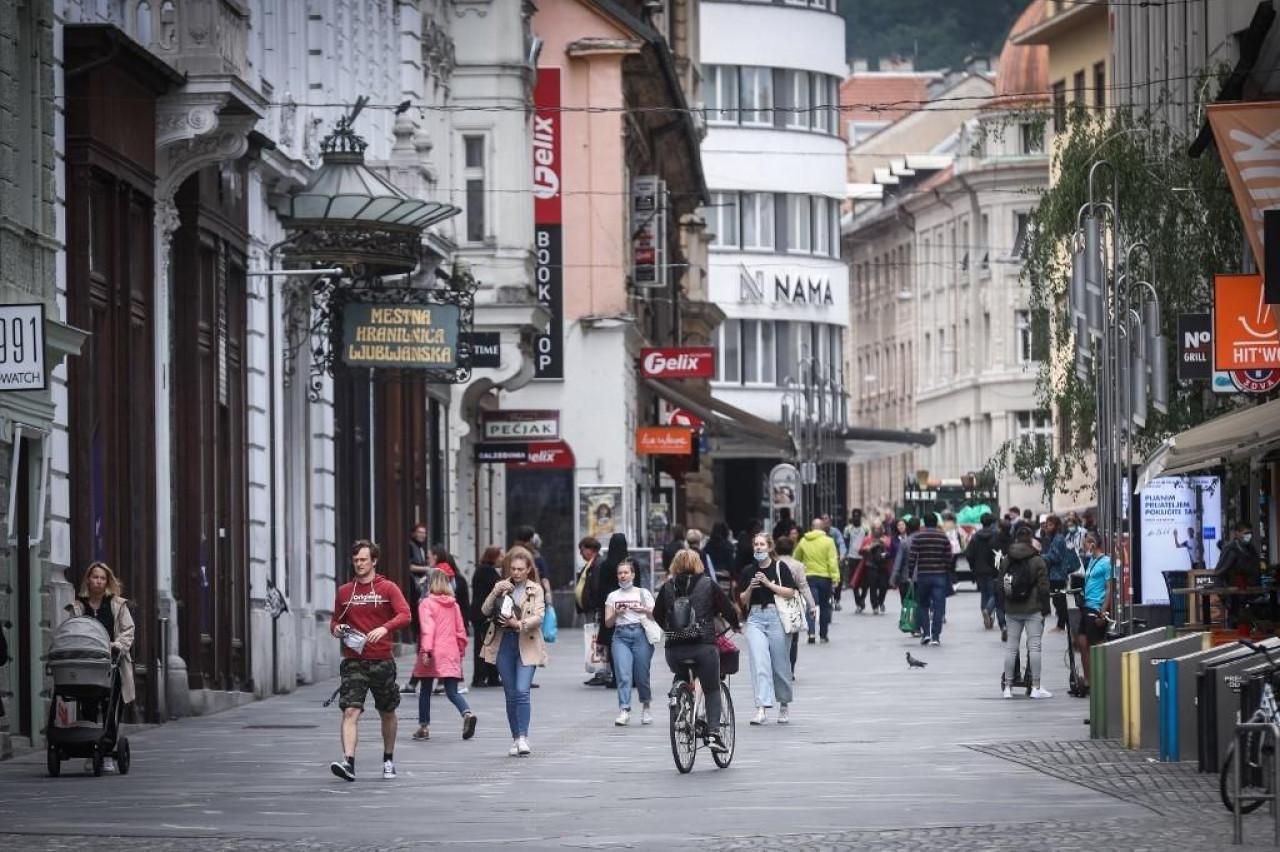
x=1248, y=137
x=664, y=441
x=1245, y=336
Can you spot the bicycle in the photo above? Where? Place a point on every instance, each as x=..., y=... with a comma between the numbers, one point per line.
x=1259, y=750
x=688, y=725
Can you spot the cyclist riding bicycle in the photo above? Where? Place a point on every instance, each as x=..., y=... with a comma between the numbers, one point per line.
x=693, y=644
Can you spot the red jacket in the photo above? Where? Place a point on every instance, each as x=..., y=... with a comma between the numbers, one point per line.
x=364, y=606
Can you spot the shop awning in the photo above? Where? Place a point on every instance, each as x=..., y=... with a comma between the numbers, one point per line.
x=1228, y=438
x=864, y=443
x=724, y=421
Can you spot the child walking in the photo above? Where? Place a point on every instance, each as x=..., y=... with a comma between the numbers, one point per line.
x=441, y=645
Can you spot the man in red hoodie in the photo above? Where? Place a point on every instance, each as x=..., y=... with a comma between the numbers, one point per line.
x=374, y=606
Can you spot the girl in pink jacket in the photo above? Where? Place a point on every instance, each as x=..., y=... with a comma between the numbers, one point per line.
x=440, y=648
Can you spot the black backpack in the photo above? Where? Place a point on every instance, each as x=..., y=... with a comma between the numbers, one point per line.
x=683, y=624
x=1019, y=580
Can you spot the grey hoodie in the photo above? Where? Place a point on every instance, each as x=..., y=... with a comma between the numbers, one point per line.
x=1038, y=601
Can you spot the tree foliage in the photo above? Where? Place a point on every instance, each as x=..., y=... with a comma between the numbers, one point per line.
x=937, y=35
x=1182, y=208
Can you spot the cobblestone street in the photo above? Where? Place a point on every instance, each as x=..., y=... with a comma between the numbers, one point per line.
x=877, y=756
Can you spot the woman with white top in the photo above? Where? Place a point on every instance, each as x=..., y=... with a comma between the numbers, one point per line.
x=625, y=610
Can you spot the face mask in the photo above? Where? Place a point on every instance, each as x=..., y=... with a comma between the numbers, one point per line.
x=625, y=584
x=1247, y=537
x=760, y=557
x=1071, y=527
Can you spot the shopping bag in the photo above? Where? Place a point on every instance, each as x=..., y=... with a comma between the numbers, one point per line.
x=549, y=625
x=907, y=620
x=597, y=657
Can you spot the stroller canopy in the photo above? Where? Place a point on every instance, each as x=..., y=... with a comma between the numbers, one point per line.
x=80, y=637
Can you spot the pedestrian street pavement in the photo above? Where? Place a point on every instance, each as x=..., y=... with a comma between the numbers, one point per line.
x=877, y=756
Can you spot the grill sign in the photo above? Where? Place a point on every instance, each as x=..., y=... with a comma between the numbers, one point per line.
x=400, y=336
x=1195, y=347
x=690, y=362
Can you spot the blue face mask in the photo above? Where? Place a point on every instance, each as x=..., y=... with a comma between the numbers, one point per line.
x=760, y=557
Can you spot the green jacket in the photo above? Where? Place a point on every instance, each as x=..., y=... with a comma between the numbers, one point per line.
x=818, y=553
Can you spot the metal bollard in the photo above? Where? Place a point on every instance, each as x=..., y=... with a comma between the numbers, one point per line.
x=1263, y=729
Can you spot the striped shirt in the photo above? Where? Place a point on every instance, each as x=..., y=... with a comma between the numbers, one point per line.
x=930, y=551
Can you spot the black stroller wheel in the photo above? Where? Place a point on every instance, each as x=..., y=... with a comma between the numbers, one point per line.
x=53, y=762
x=97, y=763
x=122, y=756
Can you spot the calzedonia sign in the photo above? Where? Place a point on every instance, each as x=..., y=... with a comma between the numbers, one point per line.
x=687, y=362
x=400, y=336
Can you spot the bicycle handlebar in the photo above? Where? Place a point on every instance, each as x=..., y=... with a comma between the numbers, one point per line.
x=1259, y=649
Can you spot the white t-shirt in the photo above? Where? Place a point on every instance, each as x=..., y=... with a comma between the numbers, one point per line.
x=628, y=604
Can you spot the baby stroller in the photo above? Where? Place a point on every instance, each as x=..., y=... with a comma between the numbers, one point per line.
x=86, y=669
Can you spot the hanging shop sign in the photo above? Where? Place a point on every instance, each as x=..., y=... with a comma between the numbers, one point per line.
x=664, y=441
x=548, y=222
x=684, y=417
x=686, y=362
x=1195, y=347
x=520, y=425
x=648, y=232
x=486, y=348
x=1245, y=334
x=405, y=336
x=502, y=452
x=1248, y=141
x=544, y=455
x=22, y=348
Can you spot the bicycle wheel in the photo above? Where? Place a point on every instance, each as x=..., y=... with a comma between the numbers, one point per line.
x=728, y=726
x=1257, y=779
x=684, y=746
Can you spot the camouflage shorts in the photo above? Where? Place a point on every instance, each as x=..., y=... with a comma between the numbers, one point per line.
x=376, y=676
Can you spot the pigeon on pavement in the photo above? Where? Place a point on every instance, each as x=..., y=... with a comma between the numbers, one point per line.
x=912, y=662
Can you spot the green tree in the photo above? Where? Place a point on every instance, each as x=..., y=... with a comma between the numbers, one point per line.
x=937, y=35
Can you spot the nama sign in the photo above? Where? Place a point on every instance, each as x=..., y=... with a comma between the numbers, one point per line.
x=688, y=362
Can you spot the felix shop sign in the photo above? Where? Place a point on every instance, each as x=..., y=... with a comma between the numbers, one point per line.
x=687, y=362
x=548, y=240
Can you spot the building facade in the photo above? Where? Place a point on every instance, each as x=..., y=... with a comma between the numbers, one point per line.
x=775, y=165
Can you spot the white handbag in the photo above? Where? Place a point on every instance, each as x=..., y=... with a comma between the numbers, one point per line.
x=790, y=610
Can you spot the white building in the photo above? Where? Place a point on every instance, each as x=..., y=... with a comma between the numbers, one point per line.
x=775, y=165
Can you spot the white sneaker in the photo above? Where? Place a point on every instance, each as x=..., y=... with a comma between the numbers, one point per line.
x=1008, y=692
x=624, y=718
x=784, y=715
x=761, y=716
x=88, y=765
x=388, y=770
x=1041, y=693
x=108, y=764
x=514, y=751
x=646, y=718
x=464, y=689
x=522, y=747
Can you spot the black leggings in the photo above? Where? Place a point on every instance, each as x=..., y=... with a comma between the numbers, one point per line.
x=706, y=664
x=1058, y=594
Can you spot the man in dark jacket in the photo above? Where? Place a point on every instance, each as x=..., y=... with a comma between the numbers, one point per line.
x=1024, y=588
x=606, y=582
x=981, y=556
x=671, y=548
x=1238, y=567
x=930, y=563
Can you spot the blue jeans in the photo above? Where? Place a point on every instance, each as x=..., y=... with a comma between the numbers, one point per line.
x=450, y=685
x=821, y=588
x=931, y=599
x=632, y=654
x=517, y=680
x=989, y=601
x=770, y=649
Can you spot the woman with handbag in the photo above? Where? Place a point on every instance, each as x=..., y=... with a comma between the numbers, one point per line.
x=783, y=548
x=625, y=610
x=514, y=642
x=775, y=610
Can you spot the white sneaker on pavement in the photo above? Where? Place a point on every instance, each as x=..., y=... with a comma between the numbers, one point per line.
x=522, y=747
x=1038, y=692
x=388, y=770
x=784, y=715
x=1008, y=692
x=646, y=718
x=624, y=718
x=761, y=716
x=514, y=751
x=108, y=764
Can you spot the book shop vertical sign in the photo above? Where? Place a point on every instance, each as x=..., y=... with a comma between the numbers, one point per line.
x=547, y=222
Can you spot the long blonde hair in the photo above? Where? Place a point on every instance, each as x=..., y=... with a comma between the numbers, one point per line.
x=439, y=583
x=114, y=586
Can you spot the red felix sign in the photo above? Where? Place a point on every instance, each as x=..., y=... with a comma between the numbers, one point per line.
x=688, y=362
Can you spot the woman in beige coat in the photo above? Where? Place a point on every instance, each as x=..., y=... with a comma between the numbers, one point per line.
x=514, y=641
x=99, y=597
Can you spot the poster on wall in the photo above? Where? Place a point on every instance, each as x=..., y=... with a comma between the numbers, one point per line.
x=1172, y=539
x=600, y=512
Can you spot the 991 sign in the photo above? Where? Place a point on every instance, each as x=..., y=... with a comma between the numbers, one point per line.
x=22, y=348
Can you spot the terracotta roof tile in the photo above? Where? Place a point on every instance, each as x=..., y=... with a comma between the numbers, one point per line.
x=881, y=96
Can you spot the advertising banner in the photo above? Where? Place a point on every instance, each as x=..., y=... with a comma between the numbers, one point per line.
x=547, y=223
x=784, y=491
x=1245, y=335
x=664, y=441
x=1248, y=138
x=648, y=232
x=1172, y=537
x=683, y=362
x=399, y=336
x=546, y=455
x=22, y=348
x=486, y=348
x=1195, y=347
x=600, y=512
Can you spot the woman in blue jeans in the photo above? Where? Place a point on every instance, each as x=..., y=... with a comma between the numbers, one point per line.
x=625, y=610
x=771, y=675
x=514, y=642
